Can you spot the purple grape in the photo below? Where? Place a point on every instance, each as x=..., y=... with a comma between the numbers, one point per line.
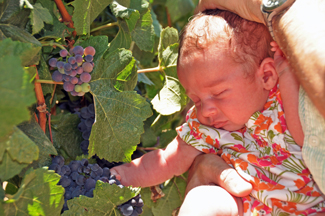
x=68, y=86
x=89, y=58
x=87, y=67
x=74, y=93
x=57, y=76
x=73, y=73
x=68, y=72
x=72, y=60
x=79, y=59
x=74, y=66
x=52, y=62
x=78, y=50
x=63, y=53
x=74, y=165
x=65, y=181
x=79, y=70
x=80, y=94
x=85, y=77
x=90, y=193
x=66, y=169
x=60, y=64
x=89, y=51
x=90, y=183
x=56, y=167
x=58, y=160
x=67, y=67
x=84, y=162
x=66, y=77
x=80, y=82
x=126, y=209
x=85, y=134
x=106, y=172
x=74, y=175
x=80, y=180
x=74, y=80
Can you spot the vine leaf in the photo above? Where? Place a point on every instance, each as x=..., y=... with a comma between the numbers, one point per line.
x=136, y=24
x=179, y=8
x=85, y=13
x=120, y=112
x=27, y=52
x=106, y=198
x=38, y=16
x=66, y=136
x=38, y=195
x=35, y=133
x=45, y=74
x=17, y=94
x=174, y=191
x=171, y=98
x=17, y=151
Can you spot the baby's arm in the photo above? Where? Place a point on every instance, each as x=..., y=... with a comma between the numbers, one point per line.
x=289, y=88
x=157, y=166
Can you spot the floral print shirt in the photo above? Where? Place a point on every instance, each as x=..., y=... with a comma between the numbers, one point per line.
x=265, y=154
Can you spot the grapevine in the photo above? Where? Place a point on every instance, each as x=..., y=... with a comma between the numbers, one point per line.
x=85, y=88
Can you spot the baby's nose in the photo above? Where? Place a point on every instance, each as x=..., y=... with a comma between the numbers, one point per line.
x=208, y=110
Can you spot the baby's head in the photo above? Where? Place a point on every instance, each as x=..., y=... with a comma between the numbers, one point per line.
x=247, y=43
x=225, y=67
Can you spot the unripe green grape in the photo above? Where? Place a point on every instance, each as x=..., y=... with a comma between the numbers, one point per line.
x=78, y=88
x=85, y=87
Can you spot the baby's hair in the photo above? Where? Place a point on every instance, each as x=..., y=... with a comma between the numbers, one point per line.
x=246, y=42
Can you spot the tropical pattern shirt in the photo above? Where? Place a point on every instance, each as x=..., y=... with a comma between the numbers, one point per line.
x=265, y=154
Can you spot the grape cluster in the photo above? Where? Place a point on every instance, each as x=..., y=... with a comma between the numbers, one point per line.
x=133, y=207
x=79, y=178
x=74, y=69
x=87, y=117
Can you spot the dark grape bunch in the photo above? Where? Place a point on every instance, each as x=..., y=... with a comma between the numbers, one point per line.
x=74, y=69
x=79, y=178
x=133, y=207
x=87, y=118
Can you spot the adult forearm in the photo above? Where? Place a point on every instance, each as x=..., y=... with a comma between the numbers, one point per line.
x=300, y=33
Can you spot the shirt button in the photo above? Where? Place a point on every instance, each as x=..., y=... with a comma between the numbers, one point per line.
x=313, y=140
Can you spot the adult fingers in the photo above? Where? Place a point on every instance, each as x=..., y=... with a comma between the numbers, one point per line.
x=247, y=9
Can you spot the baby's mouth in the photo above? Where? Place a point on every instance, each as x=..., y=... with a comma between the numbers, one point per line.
x=220, y=124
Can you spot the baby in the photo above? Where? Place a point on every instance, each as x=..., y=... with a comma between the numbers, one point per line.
x=226, y=68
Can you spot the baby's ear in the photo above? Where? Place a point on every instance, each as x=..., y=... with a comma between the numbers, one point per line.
x=267, y=73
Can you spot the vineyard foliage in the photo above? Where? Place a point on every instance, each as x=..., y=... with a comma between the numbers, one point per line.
x=133, y=110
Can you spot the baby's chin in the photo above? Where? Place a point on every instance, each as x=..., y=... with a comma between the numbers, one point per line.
x=232, y=127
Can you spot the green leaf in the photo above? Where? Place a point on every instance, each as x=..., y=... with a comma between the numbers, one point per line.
x=38, y=16
x=11, y=13
x=174, y=191
x=17, y=151
x=35, y=133
x=44, y=74
x=119, y=115
x=11, y=188
x=38, y=195
x=17, y=94
x=106, y=198
x=122, y=39
x=27, y=52
x=168, y=37
x=130, y=16
x=2, y=196
x=85, y=12
x=179, y=8
x=66, y=136
x=169, y=100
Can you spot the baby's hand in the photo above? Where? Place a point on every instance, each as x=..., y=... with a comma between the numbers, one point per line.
x=281, y=63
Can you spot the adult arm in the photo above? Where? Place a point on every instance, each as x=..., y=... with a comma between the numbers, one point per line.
x=210, y=169
x=300, y=33
x=157, y=166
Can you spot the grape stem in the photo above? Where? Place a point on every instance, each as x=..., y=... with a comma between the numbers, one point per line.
x=40, y=101
x=65, y=15
x=169, y=20
x=48, y=82
x=51, y=43
x=104, y=26
x=147, y=70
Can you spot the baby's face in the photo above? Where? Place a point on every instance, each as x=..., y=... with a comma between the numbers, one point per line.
x=223, y=96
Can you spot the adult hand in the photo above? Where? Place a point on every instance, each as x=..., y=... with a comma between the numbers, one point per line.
x=210, y=169
x=248, y=9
